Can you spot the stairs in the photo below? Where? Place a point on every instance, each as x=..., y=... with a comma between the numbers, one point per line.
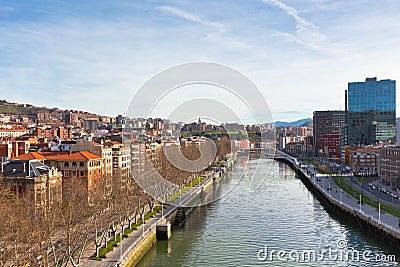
x=180, y=217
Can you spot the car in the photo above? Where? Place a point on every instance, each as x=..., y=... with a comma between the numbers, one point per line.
x=374, y=187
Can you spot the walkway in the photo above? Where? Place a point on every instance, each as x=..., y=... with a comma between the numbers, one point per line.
x=326, y=184
x=118, y=253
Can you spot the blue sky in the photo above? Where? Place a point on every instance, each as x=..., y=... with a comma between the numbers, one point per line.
x=94, y=55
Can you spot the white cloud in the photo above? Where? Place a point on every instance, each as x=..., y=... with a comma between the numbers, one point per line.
x=307, y=33
x=221, y=28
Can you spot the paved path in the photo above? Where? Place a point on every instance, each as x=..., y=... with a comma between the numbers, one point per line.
x=120, y=252
x=324, y=182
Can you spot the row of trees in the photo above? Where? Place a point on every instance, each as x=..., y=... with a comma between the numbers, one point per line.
x=60, y=232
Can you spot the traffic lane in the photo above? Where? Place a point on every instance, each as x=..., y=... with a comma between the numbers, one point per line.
x=374, y=193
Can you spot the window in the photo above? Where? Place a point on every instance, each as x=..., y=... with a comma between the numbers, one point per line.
x=66, y=164
x=81, y=164
x=82, y=173
x=74, y=165
x=66, y=173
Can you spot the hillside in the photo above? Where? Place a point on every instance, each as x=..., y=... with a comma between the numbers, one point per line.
x=293, y=123
x=22, y=109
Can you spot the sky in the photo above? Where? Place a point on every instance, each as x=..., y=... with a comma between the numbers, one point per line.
x=94, y=55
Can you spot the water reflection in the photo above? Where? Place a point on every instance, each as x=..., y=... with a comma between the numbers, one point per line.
x=282, y=214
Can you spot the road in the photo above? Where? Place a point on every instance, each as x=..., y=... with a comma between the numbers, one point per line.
x=328, y=186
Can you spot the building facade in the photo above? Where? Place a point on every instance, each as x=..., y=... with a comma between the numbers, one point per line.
x=371, y=115
x=327, y=130
x=364, y=161
x=81, y=171
x=32, y=178
x=389, y=168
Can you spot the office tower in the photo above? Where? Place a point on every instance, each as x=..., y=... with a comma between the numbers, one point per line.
x=371, y=112
x=327, y=129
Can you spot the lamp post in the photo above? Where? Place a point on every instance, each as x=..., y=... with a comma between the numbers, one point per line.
x=362, y=189
x=341, y=196
x=379, y=212
x=120, y=248
x=360, y=203
x=393, y=205
x=143, y=222
x=162, y=209
x=330, y=188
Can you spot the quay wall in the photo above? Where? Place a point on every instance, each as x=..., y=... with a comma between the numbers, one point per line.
x=379, y=230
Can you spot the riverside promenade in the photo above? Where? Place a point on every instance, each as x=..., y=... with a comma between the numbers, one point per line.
x=326, y=184
x=120, y=255
x=383, y=225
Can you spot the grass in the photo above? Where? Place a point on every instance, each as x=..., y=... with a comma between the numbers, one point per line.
x=364, y=179
x=186, y=188
x=111, y=244
x=365, y=198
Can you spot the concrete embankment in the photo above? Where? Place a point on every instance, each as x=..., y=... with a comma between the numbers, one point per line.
x=365, y=222
x=132, y=255
x=140, y=249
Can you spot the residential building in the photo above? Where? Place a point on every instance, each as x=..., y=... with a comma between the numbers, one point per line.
x=138, y=155
x=364, y=161
x=63, y=133
x=371, y=114
x=32, y=178
x=389, y=168
x=80, y=170
x=5, y=155
x=327, y=129
x=43, y=132
x=121, y=163
x=13, y=131
x=284, y=140
x=90, y=125
x=295, y=148
x=43, y=117
x=98, y=149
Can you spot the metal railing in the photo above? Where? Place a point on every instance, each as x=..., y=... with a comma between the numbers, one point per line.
x=352, y=208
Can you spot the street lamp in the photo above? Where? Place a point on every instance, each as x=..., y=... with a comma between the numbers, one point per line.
x=360, y=203
x=362, y=189
x=379, y=212
x=341, y=196
x=162, y=209
x=394, y=214
x=143, y=223
x=120, y=248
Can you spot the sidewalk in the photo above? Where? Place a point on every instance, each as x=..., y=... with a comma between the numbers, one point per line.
x=118, y=253
x=340, y=196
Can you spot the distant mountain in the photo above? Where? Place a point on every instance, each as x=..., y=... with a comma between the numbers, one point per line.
x=302, y=122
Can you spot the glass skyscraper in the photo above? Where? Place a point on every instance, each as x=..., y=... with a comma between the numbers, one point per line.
x=371, y=112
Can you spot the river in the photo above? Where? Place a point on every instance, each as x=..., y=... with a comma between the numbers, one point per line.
x=279, y=224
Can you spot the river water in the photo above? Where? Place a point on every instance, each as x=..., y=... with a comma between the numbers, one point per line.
x=279, y=224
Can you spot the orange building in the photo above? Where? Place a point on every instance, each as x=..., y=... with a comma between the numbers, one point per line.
x=80, y=170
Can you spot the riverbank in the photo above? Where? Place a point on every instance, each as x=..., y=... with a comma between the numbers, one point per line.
x=137, y=244
x=384, y=226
